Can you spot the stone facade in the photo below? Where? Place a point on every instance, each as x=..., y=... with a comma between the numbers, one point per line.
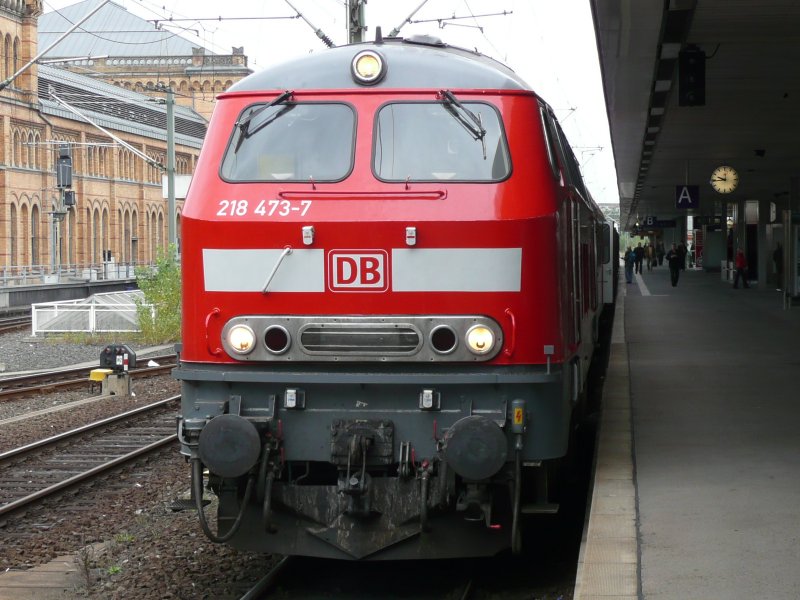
x=120, y=212
x=196, y=79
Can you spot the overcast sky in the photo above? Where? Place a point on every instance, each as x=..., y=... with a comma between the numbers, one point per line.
x=549, y=43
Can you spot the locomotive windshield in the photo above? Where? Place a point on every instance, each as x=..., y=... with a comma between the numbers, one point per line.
x=291, y=142
x=432, y=141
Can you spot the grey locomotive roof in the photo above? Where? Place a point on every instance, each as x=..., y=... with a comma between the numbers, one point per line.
x=411, y=63
x=112, y=31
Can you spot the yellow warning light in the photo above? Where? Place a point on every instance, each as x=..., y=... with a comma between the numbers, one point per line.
x=368, y=67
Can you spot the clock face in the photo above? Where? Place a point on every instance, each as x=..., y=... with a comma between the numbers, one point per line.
x=724, y=179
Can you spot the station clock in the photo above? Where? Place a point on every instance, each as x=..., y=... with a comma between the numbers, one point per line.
x=724, y=179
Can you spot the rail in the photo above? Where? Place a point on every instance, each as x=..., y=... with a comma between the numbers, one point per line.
x=111, y=454
x=21, y=386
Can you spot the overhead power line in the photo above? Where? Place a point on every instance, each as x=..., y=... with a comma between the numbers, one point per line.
x=220, y=19
x=10, y=79
x=320, y=34
x=442, y=21
x=113, y=136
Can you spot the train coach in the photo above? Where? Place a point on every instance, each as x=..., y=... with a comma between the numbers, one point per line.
x=392, y=281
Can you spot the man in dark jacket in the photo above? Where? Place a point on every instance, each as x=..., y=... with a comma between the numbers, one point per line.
x=674, y=260
x=639, y=251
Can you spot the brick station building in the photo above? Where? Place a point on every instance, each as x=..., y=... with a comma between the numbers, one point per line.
x=119, y=211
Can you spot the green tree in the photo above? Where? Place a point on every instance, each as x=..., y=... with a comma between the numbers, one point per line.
x=161, y=285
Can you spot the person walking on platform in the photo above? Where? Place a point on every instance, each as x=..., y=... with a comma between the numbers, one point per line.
x=629, y=257
x=650, y=255
x=741, y=269
x=674, y=260
x=682, y=251
x=660, y=253
x=777, y=256
x=639, y=251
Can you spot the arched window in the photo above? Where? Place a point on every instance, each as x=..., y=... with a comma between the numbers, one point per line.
x=13, y=233
x=125, y=219
x=90, y=152
x=35, y=257
x=97, y=240
x=37, y=150
x=16, y=145
x=85, y=240
x=16, y=55
x=7, y=62
x=24, y=257
x=134, y=236
x=106, y=244
x=31, y=161
x=161, y=243
x=155, y=235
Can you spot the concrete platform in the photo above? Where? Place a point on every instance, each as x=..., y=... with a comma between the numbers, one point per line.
x=697, y=483
x=58, y=579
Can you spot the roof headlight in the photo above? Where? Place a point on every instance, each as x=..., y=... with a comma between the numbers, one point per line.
x=480, y=339
x=241, y=339
x=368, y=67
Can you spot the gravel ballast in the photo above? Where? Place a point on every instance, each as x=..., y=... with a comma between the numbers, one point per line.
x=128, y=541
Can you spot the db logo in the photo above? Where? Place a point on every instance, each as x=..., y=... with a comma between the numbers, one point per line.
x=357, y=271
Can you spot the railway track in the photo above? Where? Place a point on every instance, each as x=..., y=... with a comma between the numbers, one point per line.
x=71, y=378
x=9, y=324
x=35, y=471
x=353, y=581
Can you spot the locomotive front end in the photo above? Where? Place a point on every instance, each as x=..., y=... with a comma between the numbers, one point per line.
x=372, y=348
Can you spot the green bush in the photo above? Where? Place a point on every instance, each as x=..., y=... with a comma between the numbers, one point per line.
x=161, y=285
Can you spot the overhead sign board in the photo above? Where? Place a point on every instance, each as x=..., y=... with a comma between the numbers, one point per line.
x=652, y=222
x=687, y=196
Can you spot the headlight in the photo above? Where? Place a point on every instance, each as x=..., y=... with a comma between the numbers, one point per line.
x=368, y=67
x=241, y=339
x=480, y=339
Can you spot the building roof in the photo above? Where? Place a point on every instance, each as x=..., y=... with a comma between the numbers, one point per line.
x=112, y=31
x=115, y=108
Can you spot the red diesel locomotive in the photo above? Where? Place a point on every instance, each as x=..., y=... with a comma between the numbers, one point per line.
x=392, y=280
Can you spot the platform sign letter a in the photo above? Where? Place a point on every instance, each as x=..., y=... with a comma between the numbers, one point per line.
x=687, y=196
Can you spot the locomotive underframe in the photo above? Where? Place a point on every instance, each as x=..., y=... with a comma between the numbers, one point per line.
x=354, y=453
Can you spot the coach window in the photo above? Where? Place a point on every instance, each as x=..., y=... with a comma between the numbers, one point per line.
x=551, y=143
x=291, y=142
x=574, y=171
x=430, y=142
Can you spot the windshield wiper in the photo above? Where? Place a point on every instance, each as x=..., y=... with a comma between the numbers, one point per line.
x=468, y=119
x=244, y=124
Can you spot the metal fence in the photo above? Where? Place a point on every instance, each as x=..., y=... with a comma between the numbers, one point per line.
x=45, y=274
x=101, y=313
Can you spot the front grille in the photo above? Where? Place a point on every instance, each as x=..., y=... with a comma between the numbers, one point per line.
x=363, y=339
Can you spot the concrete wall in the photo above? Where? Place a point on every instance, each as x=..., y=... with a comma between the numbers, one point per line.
x=20, y=298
